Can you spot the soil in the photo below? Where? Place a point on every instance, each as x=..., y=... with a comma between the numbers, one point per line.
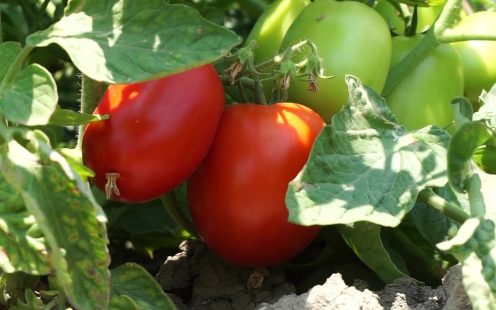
x=197, y=279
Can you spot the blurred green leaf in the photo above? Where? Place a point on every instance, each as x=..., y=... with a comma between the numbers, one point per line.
x=119, y=41
x=32, y=98
x=475, y=247
x=66, y=117
x=134, y=288
x=365, y=167
x=22, y=246
x=463, y=110
x=462, y=147
x=64, y=209
x=365, y=240
x=9, y=52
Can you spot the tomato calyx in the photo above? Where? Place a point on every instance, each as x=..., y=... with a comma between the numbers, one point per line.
x=300, y=61
x=111, y=188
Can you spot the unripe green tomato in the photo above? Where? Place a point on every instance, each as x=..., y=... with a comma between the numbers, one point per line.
x=387, y=10
x=426, y=16
x=351, y=38
x=478, y=57
x=424, y=96
x=270, y=29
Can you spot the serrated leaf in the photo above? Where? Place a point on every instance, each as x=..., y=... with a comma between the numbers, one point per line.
x=66, y=214
x=32, y=98
x=133, y=282
x=9, y=52
x=475, y=247
x=365, y=240
x=66, y=117
x=22, y=247
x=365, y=167
x=119, y=41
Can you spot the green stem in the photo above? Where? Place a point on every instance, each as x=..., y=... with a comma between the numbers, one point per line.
x=434, y=37
x=172, y=207
x=91, y=92
x=405, y=66
x=439, y=203
x=17, y=66
x=475, y=197
x=39, y=14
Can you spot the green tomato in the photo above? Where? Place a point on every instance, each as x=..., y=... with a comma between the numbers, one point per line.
x=392, y=16
x=270, y=29
x=424, y=96
x=478, y=57
x=426, y=16
x=351, y=38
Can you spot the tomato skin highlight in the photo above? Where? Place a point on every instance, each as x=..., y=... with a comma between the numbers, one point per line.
x=237, y=195
x=157, y=134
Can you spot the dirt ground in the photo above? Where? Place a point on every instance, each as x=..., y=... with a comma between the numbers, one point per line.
x=197, y=279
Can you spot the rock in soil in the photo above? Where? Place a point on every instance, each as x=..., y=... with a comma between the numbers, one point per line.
x=197, y=279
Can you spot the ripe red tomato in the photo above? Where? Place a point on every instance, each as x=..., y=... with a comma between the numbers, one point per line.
x=157, y=134
x=237, y=195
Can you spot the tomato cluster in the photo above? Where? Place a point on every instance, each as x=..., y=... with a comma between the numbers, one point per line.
x=238, y=159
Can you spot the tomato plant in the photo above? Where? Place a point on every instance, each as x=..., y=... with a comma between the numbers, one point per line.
x=157, y=134
x=236, y=197
x=339, y=31
x=478, y=57
x=270, y=29
x=424, y=96
x=272, y=25
x=391, y=15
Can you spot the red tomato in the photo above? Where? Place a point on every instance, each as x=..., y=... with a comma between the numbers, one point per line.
x=158, y=132
x=237, y=195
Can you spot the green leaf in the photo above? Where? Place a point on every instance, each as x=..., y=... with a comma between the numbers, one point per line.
x=66, y=117
x=31, y=302
x=22, y=247
x=365, y=240
x=463, y=110
x=475, y=247
x=365, y=167
x=487, y=111
x=66, y=213
x=9, y=52
x=32, y=98
x=119, y=41
x=133, y=285
x=75, y=159
x=462, y=147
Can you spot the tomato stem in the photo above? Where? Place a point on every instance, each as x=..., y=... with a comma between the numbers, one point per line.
x=407, y=64
x=91, y=92
x=439, y=203
x=475, y=197
x=172, y=207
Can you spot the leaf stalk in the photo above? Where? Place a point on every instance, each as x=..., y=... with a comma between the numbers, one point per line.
x=439, y=203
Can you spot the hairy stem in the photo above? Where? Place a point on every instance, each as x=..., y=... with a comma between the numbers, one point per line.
x=91, y=92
